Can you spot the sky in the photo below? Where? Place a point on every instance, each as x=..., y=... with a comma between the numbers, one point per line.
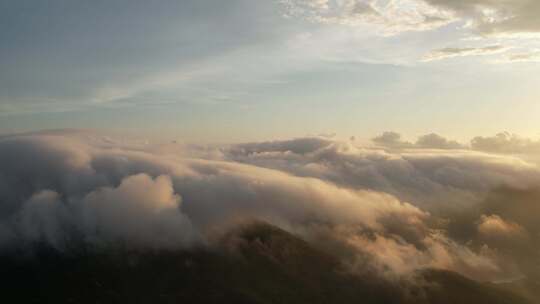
x=405, y=132
x=241, y=70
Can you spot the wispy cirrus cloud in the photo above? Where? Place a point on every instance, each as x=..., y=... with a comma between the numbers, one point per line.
x=446, y=53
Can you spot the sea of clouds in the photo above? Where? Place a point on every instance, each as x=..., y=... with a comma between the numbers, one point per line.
x=391, y=208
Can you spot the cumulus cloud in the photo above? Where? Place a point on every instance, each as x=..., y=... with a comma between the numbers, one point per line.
x=505, y=143
x=493, y=226
x=435, y=141
x=392, y=210
x=501, y=143
x=428, y=141
x=446, y=53
x=140, y=212
x=391, y=139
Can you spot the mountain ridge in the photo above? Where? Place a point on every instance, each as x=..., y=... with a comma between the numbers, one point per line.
x=256, y=263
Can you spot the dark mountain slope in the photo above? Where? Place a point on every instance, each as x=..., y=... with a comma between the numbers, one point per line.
x=256, y=264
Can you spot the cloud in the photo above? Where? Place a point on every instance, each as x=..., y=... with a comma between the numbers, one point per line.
x=41, y=219
x=428, y=141
x=110, y=187
x=446, y=53
x=435, y=141
x=140, y=212
x=501, y=143
x=487, y=17
x=391, y=254
x=386, y=17
x=392, y=210
x=432, y=179
x=391, y=139
x=505, y=143
x=297, y=146
x=492, y=17
x=533, y=56
x=493, y=226
x=450, y=184
x=515, y=206
x=511, y=23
